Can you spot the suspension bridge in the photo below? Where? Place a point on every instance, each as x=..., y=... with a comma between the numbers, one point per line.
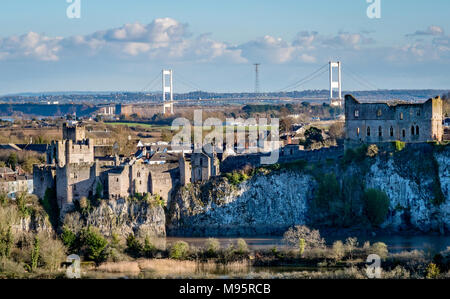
x=334, y=69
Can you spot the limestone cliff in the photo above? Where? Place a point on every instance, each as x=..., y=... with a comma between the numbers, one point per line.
x=263, y=205
x=122, y=217
x=268, y=204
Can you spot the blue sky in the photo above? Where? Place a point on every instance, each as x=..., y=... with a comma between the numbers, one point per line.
x=122, y=45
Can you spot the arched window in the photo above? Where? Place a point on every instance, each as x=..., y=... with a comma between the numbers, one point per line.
x=412, y=130
x=379, y=112
x=368, y=131
x=417, y=129
x=401, y=115
x=357, y=131
x=392, y=132
x=404, y=133
x=356, y=113
x=380, y=131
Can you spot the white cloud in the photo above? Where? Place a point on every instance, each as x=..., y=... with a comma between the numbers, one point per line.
x=167, y=40
x=268, y=49
x=431, y=30
x=30, y=45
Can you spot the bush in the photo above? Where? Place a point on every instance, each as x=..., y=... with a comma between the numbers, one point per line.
x=94, y=244
x=241, y=246
x=179, y=250
x=236, y=177
x=372, y=151
x=134, y=247
x=52, y=252
x=68, y=238
x=6, y=242
x=338, y=250
x=212, y=246
x=149, y=249
x=376, y=206
x=399, y=145
x=312, y=237
x=380, y=249
x=433, y=271
x=350, y=245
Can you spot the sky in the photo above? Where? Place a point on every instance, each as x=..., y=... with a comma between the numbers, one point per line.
x=212, y=45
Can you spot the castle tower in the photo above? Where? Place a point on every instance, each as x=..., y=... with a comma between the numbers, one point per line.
x=74, y=132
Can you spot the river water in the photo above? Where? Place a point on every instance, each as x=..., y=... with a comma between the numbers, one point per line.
x=394, y=243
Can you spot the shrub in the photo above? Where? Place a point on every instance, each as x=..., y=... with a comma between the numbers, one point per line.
x=236, y=177
x=35, y=253
x=399, y=145
x=380, y=249
x=212, y=246
x=6, y=242
x=350, y=245
x=134, y=247
x=68, y=237
x=312, y=237
x=338, y=250
x=94, y=244
x=241, y=246
x=179, y=250
x=149, y=249
x=376, y=206
x=372, y=151
x=52, y=252
x=433, y=271
x=21, y=202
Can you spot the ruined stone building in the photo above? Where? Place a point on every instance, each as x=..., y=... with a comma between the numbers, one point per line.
x=380, y=122
x=198, y=167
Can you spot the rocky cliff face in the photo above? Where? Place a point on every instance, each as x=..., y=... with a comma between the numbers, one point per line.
x=123, y=217
x=269, y=204
x=412, y=196
x=264, y=205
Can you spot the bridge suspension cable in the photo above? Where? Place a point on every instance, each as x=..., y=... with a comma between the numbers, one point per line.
x=151, y=83
x=186, y=82
x=359, y=79
x=306, y=79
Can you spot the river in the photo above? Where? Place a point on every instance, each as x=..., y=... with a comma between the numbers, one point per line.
x=395, y=243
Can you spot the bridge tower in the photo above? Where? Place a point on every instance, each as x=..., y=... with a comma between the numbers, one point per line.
x=167, y=91
x=335, y=84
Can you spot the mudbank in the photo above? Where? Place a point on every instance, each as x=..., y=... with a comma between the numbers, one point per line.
x=416, y=181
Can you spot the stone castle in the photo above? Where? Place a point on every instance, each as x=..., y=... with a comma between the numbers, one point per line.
x=382, y=122
x=74, y=172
